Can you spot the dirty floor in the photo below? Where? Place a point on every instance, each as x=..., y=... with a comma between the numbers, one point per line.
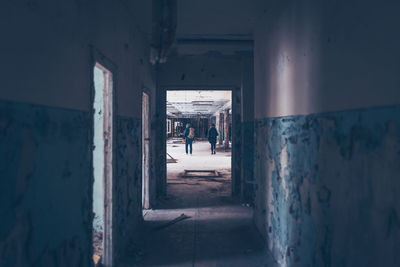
x=199, y=223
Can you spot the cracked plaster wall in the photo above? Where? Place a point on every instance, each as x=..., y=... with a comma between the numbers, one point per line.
x=327, y=132
x=327, y=187
x=44, y=194
x=45, y=131
x=128, y=188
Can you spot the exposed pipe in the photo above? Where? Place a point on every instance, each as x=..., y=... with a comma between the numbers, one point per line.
x=163, y=29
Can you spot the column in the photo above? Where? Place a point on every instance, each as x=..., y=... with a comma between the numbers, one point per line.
x=220, y=127
x=226, y=117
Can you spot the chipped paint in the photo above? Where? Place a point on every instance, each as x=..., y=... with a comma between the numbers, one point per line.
x=47, y=214
x=128, y=184
x=327, y=187
x=284, y=167
x=45, y=207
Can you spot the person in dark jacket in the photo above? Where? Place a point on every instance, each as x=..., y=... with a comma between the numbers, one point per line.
x=212, y=137
x=189, y=136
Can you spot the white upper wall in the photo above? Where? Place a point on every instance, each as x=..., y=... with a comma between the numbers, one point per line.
x=316, y=56
x=46, y=55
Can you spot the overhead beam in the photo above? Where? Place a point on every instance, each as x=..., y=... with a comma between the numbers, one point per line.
x=242, y=44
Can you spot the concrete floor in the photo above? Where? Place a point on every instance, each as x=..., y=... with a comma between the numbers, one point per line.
x=219, y=230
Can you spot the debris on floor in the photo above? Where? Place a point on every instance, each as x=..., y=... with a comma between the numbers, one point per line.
x=97, y=248
x=200, y=173
x=170, y=159
x=97, y=260
x=177, y=219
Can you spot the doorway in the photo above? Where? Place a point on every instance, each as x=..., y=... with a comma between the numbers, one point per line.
x=195, y=173
x=102, y=164
x=145, y=150
x=200, y=221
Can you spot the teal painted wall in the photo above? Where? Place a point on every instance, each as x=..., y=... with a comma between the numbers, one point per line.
x=45, y=186
x=327, y=187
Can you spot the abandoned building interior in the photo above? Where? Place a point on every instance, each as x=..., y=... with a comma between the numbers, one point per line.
x=95, y=97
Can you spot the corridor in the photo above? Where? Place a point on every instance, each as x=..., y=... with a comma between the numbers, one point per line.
x=97, y=95
x=218, y=229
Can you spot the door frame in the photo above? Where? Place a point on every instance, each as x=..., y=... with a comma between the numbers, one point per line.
x=236, y=109
x=109, y=212
x=146, y=191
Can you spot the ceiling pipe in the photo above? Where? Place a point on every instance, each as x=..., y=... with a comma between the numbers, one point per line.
x=164, y=23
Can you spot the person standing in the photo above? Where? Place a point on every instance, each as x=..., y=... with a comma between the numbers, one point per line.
x=212, y=137
x=189, y=136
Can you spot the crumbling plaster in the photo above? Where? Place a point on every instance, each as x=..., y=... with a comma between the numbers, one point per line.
x=46, y=132
x=45, y=201
x=128, y=185
x=327, y=187
x=327, y=132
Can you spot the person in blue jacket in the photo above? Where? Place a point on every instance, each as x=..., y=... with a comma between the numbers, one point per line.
x=189, y=136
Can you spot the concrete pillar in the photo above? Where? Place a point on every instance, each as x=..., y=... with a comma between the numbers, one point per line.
x=226, y=117
x=159, y=183
x=220, y=127
x=197, y=132
x=172, y=127
x=236, y=141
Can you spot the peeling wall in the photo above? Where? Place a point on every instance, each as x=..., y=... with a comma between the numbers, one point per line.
x=45, y=195
x=45, y=204
x=328, y=186
x=127, y=197
x=46, y=126
x=328, y=132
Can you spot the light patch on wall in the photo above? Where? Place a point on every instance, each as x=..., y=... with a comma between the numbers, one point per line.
x=284, y=161
x=98, y=152
x=284, y=86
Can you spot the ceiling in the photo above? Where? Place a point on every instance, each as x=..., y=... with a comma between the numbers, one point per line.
x=225, y=26
x=211, y=19
x=197, y=103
